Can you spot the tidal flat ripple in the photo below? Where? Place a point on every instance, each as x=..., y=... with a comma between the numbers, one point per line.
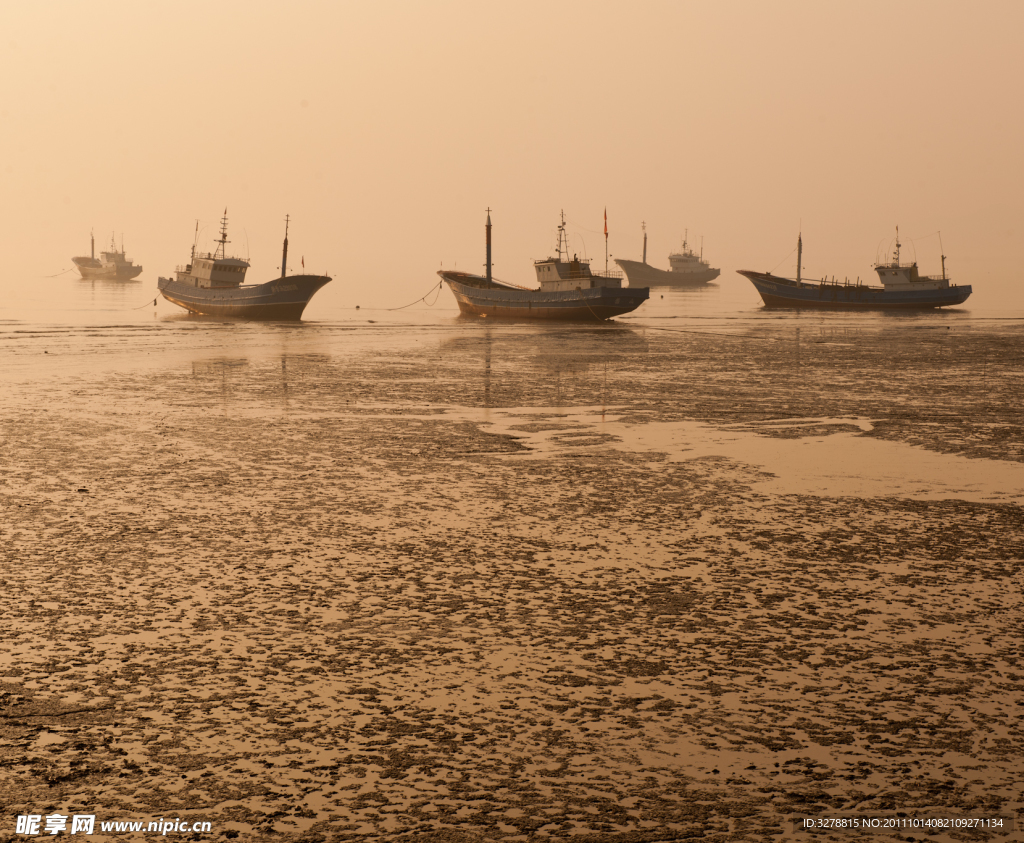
x=447, y=584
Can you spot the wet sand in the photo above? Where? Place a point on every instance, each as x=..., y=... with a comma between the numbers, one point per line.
x=512, y=583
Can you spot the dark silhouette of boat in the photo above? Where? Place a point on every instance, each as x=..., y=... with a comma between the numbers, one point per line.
x=112, y=265
x=569, y=289
x=212, y=284
x=903, y=288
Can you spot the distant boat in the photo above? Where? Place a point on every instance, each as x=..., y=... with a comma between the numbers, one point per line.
x=569, y=289
x=112, y=265
x=211, y=284
x=687, y=269
x=903, y=288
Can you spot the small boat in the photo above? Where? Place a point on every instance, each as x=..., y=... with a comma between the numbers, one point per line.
x=568, y=289
x=112, y=265
x=686, y=268
x=903, y=288
x=212, y=284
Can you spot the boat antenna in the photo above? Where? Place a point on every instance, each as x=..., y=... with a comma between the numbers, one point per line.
x=606, y=240
x=223, y=235
x=284, y=256
x=941, y=252
x=799, y=254
x=488, y=246
x=643, y=225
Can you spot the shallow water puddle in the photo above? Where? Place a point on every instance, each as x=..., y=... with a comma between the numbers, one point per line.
x=846, y=463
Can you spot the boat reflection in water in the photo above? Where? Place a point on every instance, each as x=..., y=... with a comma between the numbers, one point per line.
x=509, y=365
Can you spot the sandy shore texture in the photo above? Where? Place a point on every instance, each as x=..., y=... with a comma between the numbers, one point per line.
x=513, y=583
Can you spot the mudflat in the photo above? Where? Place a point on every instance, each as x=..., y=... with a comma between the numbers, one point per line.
x=513, y=583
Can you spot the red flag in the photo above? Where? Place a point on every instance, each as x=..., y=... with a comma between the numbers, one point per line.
x=605, y=223
x=303, y=261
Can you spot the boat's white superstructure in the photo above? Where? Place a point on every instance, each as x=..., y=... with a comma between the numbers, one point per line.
x=559, y=274
x=905, y=276
x=213, y=269
x=686, y=260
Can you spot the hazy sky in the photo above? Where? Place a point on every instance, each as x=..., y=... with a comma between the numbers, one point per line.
x=385, y=129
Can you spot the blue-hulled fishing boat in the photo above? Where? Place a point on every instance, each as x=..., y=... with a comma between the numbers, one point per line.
x=903, y=288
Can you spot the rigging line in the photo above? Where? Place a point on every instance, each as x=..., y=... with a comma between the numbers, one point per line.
x=146, y=304
x=60, y=273
x=590, y=230
x=404, y=306
x=783, y=260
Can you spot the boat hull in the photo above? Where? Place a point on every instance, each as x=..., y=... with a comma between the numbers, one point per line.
x=281, y=299
x=784, y=292
x=644, y=274
x=476, y=298
x=94, y=270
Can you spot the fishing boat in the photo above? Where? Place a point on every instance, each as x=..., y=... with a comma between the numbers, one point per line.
x=111, y=265
x=903, y=288
x=568, y=289
x=213, y=284
x=687, y=268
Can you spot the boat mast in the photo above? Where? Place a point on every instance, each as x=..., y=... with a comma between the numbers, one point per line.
x=643, y=225
x=223, y=236
x=606, y=241
x=941, y=250
x=194, y=240
x=561, y=237
x=284, y=256
x=92, y=245
x=799, y=254
x=896, y=254
x=488, y=227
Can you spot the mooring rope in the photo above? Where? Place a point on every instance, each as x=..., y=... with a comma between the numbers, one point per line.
x=421, y=299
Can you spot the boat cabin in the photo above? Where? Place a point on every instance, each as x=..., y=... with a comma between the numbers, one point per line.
x=895, y=275
x=558, y=274
x=555, y=274
x=687, y=260
x=209, y=271
x=214, y=269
